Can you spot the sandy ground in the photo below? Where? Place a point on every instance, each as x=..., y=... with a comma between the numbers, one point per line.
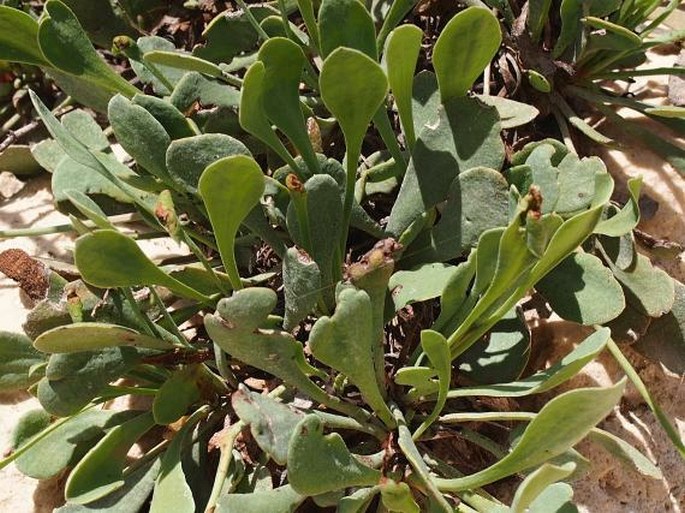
x=607, y=488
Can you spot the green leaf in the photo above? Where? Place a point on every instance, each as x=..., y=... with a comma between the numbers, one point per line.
x=401, y=53
x=252, y=113
x=180, y=391
x=29, y=424
x=100, y=471
x=446, y=147
x=283, y=63
x=419, y=284
x=558, y=373
x=107, y=258
x=627, y=218
x=353, y=87
x=554, y=499
x=173, y=121
x=301, y=286
x=562, y=422
x=102, y=20
x=19, y=37
x=539, y=82
x=512, y=114
x=85, y=129
x=58, y=449
x=346, y=342
x=141, y=135
x=91, y=336
x=538, y=15
x=18, y=160
x=356, y=32
x=178, y=60
x=230, y=189
x=17, y=356
x=468, y=43
x=62, y=391
x=609, y=36
x=195, y=87
x=581, y=289
x=171, y=76
x=357, y=502
x=187, y=158
x=67, y=47
x=537, y=482
x=438, y=351
x=625, y=453
x=319, y=463
x=131, y=497
x=397, y=497
x=664, y=340
x=283, y=499
x=172, y=491
x=650, y=289
x=271, y=423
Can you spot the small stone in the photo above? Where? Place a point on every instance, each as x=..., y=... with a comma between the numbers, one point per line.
x=9, y=185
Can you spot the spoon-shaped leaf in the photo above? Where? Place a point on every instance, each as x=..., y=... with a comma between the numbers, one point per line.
x=230, y=188
x=353, y=87
x=19, y=37
x=401, y=52
x=283, y=63
x=279, y=500
x=176, y=395
x=107, y=258
x=561, y=423
x=319, y=463
x=346, y=342
x=357, y=30
x=537, y=482
x=67, y=47
x=100, y=471
x=90, y=336
x=253, y=117
x=397, y=497
x=465, y=47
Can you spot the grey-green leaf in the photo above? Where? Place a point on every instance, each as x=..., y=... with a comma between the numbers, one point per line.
x=319, y=463
x=283, y=499
x=17, y=356
x=301, y=286
x=91, y=336
x=356, y=32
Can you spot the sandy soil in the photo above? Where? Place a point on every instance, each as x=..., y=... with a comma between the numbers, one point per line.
x=607, y=488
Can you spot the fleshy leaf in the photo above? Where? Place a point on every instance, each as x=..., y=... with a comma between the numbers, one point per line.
x=283, y=499
x=346, y=342
x=397, y=497
x=230, y=189
x=536, y=482
x=419, y=284
x=356, y=32
x=91, y=336
x=176, y=395
x=301, y=286
x=319, y=463
x=19, y=37
x=17, y=356
x=562, y=422
x=438, y=351
x=467, y=43
x=100, y=471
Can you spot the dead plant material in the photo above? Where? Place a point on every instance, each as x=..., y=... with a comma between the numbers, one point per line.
x=30, y=274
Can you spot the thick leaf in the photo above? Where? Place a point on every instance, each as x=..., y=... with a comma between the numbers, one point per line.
x=60, y=448
x=187, y=158
x=102, y=20
x=107, y=258
x=283, y=499
x=425, y=99
x=511, y=113
x=19, y=37
x=626, y=453
x=346, y=342
x=195, y=87
x=301, y=286
x=561, y=423
x=438, y=351
x=141, y=135
x=67, y=47
x=628, y=217
x=271, y=423
x=17, y=356
x=353, y=88
x=419, y=284
x=73, y=379
x=357, y=502
x=536, y=482
x=230, y=189
x=173, y=121
x=130, y=498
x=400, y=56
x=554, y=499
x=171, y=76
x=664, y=340
x=85, y=129
x=651, y=289
x=172, y=491
x=91, y=336
x=100, y=471
x=180, y=391
x=356, y=32
x=18, y=160
x=29, y=424
x=538, y=12
x=446, y=147
x=319, y=463
x=467, y=43
x=283, y=63
x=547, y=379
x=581, y=289
x=182, y=61
x=397, y=497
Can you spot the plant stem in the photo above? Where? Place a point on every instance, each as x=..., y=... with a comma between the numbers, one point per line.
x=642, y=389
x=226, y=448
